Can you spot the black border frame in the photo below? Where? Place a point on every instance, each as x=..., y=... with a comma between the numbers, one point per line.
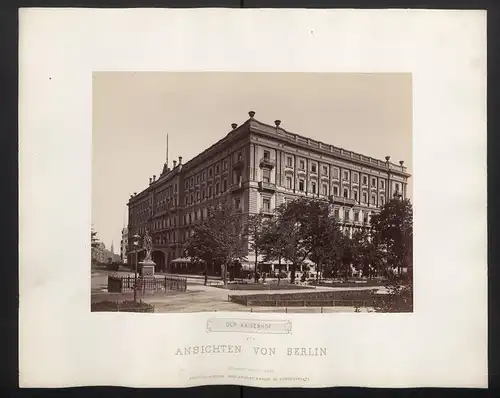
x=9, y=145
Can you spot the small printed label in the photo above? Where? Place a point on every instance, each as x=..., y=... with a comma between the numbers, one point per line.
x=249, y=326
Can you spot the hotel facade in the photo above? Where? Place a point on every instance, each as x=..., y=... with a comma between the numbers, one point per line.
x=257, y=167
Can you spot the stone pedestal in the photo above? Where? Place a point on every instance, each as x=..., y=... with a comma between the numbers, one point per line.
x=147, y=268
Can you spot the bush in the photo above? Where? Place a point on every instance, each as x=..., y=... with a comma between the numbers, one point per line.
x=399, y=298
x=123, y=306
x=113, y=266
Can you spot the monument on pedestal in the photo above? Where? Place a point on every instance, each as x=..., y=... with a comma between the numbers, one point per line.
x=147, y=265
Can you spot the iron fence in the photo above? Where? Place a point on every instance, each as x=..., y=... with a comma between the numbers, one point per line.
x=361, y=298
x=120, y=284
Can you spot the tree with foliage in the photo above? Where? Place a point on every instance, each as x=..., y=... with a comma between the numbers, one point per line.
x=294, y=222
x=321, y=233
x=220, y=238
x=201, y=246
x=254, y=231
x=345, y=253
x=94, y=246
x=273, y=241
x=392, y=231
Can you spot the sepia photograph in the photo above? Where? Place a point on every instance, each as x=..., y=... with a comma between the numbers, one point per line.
x=256, y=199
x=252, y=192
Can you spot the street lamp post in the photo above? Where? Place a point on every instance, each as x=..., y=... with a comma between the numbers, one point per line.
x=136, y=244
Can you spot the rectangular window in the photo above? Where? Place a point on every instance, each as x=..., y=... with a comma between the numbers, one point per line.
x=217, y=169
x=239, y=157
x=365, y=180
x=346, y=193
x=382, y=184
x=337, y=214
x=335, y=173
x=356, y=216
x=346, y=215
x=266, y=175
x=225, y=164
x=197, y=178
x=313, y=168
x=217, y=188
x=267, y=154
x=302, y=165
x=325, y=190
x=289, y=182
x=203, y=176
x=381, y=201
x=210, y=171
x=365, y=197
x=374, y=200
x=301, y=185
x=397, y=187
x=313, y=187
x=237, y=203
x=356, y=196
x=335, y=191
x=346, y=175
x=325, y=170
x=355, y=177
x=197, y=196
x=266, y=204
x=210, y=191
x=224, y=185
x=374, y=182
x=289, y=161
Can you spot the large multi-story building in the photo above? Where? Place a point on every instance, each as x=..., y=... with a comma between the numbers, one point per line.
x=257, y=167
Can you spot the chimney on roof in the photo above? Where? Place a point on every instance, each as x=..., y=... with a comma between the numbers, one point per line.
x=154, y=177
x=251, y=114
x=401, y=162
x=180, y=160
x=277, y=123
x=234, y=125
x=175, y=163
x=135, y=193
x=150, y=180
x=387, y=158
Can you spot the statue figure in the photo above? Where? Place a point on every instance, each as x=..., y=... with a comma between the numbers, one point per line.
x=148, y=246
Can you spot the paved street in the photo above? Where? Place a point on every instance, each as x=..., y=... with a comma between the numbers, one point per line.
x=200, y=298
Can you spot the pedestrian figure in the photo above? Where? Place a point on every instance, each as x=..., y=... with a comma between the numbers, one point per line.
x=206, y=277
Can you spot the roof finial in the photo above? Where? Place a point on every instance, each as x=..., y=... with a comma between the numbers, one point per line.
x=251, y=114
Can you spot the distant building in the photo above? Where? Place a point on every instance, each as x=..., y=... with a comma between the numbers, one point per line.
x=98, y=253
x=124, y=246
x=257, y=167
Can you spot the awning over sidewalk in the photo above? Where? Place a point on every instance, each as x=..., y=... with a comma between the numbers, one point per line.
x=186, y=260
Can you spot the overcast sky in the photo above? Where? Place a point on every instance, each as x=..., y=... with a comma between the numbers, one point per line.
x=133, y=112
